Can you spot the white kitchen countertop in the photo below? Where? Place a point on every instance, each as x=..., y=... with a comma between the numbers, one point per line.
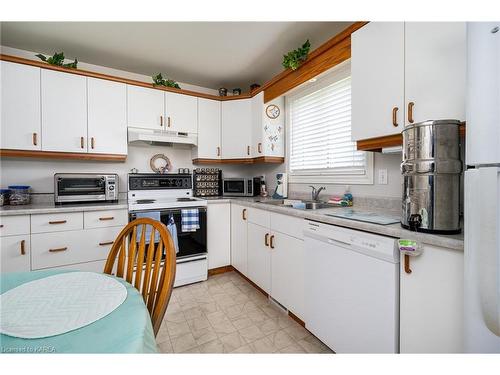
x=453, y=241
x=50, y=208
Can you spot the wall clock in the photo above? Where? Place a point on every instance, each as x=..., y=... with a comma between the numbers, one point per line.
x=272, y=111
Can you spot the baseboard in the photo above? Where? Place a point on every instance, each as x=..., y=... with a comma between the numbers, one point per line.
x=218, y=270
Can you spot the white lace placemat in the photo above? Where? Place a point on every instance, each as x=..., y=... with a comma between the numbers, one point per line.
x=58, y=304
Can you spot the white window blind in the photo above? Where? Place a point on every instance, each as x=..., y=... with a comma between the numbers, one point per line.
x=320, y=131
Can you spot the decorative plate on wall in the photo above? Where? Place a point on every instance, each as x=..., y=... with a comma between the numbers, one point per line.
x=272, y=111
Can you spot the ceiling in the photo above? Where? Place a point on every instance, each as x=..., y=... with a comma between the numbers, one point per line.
x=209, y=54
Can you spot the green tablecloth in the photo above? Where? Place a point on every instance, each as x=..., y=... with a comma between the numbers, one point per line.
x=127, y=329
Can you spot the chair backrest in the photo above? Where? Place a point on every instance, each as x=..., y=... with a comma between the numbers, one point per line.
x=139, y=263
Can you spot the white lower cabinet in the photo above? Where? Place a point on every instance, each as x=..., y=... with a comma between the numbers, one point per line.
x=287, y=272
x=259, y=256
x=275, y=253
x=69, y=240
x=58, y=249
x=15, y=253
x=239, y=235
x=431, y=302
x=219, y=235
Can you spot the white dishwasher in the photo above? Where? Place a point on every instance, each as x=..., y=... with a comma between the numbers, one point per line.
x=352, y=289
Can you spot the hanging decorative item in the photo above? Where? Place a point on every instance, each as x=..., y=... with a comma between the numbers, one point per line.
x=58, y=60
x=272, y=111
x=166, y=167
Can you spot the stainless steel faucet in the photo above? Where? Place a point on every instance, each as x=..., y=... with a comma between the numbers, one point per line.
x=315, y=192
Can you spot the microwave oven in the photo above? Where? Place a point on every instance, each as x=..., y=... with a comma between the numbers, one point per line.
x=241, y=187
x=85, y=187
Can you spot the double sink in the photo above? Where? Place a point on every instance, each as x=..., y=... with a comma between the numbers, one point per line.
x=301, y=204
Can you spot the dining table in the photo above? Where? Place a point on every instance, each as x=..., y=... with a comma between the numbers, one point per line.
x=127, y=329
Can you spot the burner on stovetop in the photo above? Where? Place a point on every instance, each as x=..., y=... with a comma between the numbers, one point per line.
x=186, y=200
x=145, y=201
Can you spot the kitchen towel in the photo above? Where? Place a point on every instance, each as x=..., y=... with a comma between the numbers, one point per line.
x=58, y=304
x=190, y=220
x=155, y=215
x=172, y=228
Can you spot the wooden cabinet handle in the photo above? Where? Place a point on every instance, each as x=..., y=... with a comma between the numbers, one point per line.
x=394, y=116
x=58, y=222
x=410, y=112
x=92, y=142
x=106, y=243
x=407, y=264
x=23, y=251
x=259, y=148
x=272, y=242
x=106, y=218
x=244, y=214
x=161, y=120
x=35, y=141
x=168, y=121
x=248, y=150
x=58, y=249
x=81, y=142
x=266, y=239
x=218, y=151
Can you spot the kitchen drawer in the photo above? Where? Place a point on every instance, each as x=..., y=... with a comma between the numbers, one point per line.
x=292, y=226
x=15, y=253
x=259, y=217
x=71, y=247
x=14, y=225
x=105, y=218
x=59, y=222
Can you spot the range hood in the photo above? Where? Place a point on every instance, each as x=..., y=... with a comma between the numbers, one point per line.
x=158, y=137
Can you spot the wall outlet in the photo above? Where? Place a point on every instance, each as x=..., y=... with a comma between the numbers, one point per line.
x=382, y=176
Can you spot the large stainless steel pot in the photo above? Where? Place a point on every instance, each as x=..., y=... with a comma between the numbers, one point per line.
x=431, y=171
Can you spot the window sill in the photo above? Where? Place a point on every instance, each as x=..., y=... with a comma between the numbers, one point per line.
x=330, y=179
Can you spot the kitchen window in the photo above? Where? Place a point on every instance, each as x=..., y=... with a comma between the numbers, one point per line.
x=321, y=149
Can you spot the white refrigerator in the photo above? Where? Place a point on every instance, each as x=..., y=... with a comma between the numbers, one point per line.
x=482, y=190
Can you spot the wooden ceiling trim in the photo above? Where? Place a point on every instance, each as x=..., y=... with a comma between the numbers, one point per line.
x=329, y=54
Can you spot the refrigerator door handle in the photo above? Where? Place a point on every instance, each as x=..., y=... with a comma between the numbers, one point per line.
x=488, y=245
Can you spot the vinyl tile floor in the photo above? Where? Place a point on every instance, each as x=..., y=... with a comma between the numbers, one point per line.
x=225, y=314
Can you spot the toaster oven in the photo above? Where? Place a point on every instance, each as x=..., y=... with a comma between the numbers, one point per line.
x=85, y=187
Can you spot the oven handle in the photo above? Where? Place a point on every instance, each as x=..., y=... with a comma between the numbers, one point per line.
x=173, y=210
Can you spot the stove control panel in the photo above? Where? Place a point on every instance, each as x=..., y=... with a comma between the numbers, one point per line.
x=152, y=181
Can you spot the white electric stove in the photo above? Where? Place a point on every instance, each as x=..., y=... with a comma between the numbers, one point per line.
x=164, y=196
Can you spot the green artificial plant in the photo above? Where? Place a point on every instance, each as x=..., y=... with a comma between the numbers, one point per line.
x=295, y=58
x=58, y=59
x=158, y=80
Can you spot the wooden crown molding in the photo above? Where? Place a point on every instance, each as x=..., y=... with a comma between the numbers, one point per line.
x=329, y=54
x=4, y=153
x=257, y=160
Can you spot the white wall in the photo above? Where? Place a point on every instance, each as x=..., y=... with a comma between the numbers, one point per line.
x=39, y=173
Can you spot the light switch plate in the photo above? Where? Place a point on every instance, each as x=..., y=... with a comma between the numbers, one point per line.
x=382, y=176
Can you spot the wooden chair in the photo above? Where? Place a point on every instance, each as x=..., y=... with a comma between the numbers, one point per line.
x=153, y=280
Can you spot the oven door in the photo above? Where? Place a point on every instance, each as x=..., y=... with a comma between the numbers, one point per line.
x=191, y=244
x=80, y=188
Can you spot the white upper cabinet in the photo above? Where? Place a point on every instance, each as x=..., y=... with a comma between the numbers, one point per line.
x=20, y=93
x=64, y=111
x=236, y=129
x=209, y=129
x=405, y=73
x=268, y=125
x=181, y=113
x=377, y=76
x=107, y=117
x=435, y=70
x=145, y=108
